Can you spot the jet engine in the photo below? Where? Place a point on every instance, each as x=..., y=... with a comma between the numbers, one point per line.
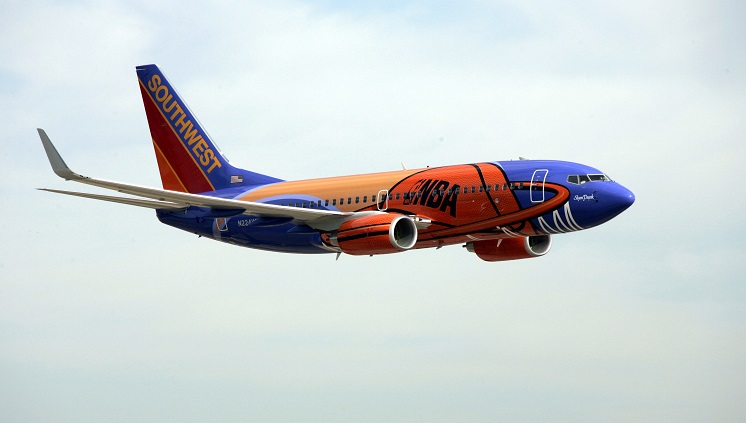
x=376, y=234
x=511, y=248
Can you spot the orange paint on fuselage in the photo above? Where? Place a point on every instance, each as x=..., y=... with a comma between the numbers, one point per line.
x=462, y=202
x=335, y=188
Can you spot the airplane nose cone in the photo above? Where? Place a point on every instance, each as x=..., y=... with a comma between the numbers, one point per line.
x=625, y=197
x=617, y=199
x=594, y=203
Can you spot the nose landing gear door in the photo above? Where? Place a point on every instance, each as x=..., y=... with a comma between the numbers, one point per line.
x=537, y=185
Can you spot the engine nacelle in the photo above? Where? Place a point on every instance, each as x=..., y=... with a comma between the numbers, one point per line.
x=511, y=248
x=376, y=234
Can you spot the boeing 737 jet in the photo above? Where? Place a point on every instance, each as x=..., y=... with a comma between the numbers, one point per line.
x=502, y=210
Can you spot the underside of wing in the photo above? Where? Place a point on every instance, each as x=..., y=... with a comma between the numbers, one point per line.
x=151, y=204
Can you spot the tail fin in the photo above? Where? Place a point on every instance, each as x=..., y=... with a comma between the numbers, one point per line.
x=188, y=159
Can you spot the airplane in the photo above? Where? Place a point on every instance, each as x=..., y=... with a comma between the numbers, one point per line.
x=501, y=210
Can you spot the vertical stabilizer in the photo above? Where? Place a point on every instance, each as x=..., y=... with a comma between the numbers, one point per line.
x=188, y=160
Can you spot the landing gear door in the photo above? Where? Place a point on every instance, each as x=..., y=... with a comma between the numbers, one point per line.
x=537, y=185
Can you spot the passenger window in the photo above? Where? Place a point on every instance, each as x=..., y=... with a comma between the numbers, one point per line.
x=397, y=195
x=365, y=199
x=326, y=202
x=334, y=202
x=372, y=198
x=357, y=200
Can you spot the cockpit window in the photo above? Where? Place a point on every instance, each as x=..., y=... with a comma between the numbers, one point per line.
x=581, y=179
x=601, y=177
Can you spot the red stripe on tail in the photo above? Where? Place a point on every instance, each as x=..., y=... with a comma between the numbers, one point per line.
x=179, y=171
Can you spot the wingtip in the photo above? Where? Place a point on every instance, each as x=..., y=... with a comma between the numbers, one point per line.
x=58, y=165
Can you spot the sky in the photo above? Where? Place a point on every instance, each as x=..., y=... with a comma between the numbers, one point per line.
x=108, y=315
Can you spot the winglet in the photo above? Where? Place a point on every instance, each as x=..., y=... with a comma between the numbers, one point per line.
x=58, y=165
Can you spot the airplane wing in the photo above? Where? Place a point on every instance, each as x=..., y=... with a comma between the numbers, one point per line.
x=152, y=204
x=165, y=199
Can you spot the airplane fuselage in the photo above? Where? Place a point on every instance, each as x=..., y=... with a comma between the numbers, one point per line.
x=451, y=204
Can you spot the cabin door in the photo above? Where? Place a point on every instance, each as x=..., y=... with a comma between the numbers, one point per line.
x=383, y=199
x=537, y=185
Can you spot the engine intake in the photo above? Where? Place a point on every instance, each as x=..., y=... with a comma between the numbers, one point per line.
x=511, y=248
x=376, y=234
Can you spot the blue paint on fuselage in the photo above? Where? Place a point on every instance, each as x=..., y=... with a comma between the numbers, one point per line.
x=590, y=204
x=596, y=202
x=273, y=234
